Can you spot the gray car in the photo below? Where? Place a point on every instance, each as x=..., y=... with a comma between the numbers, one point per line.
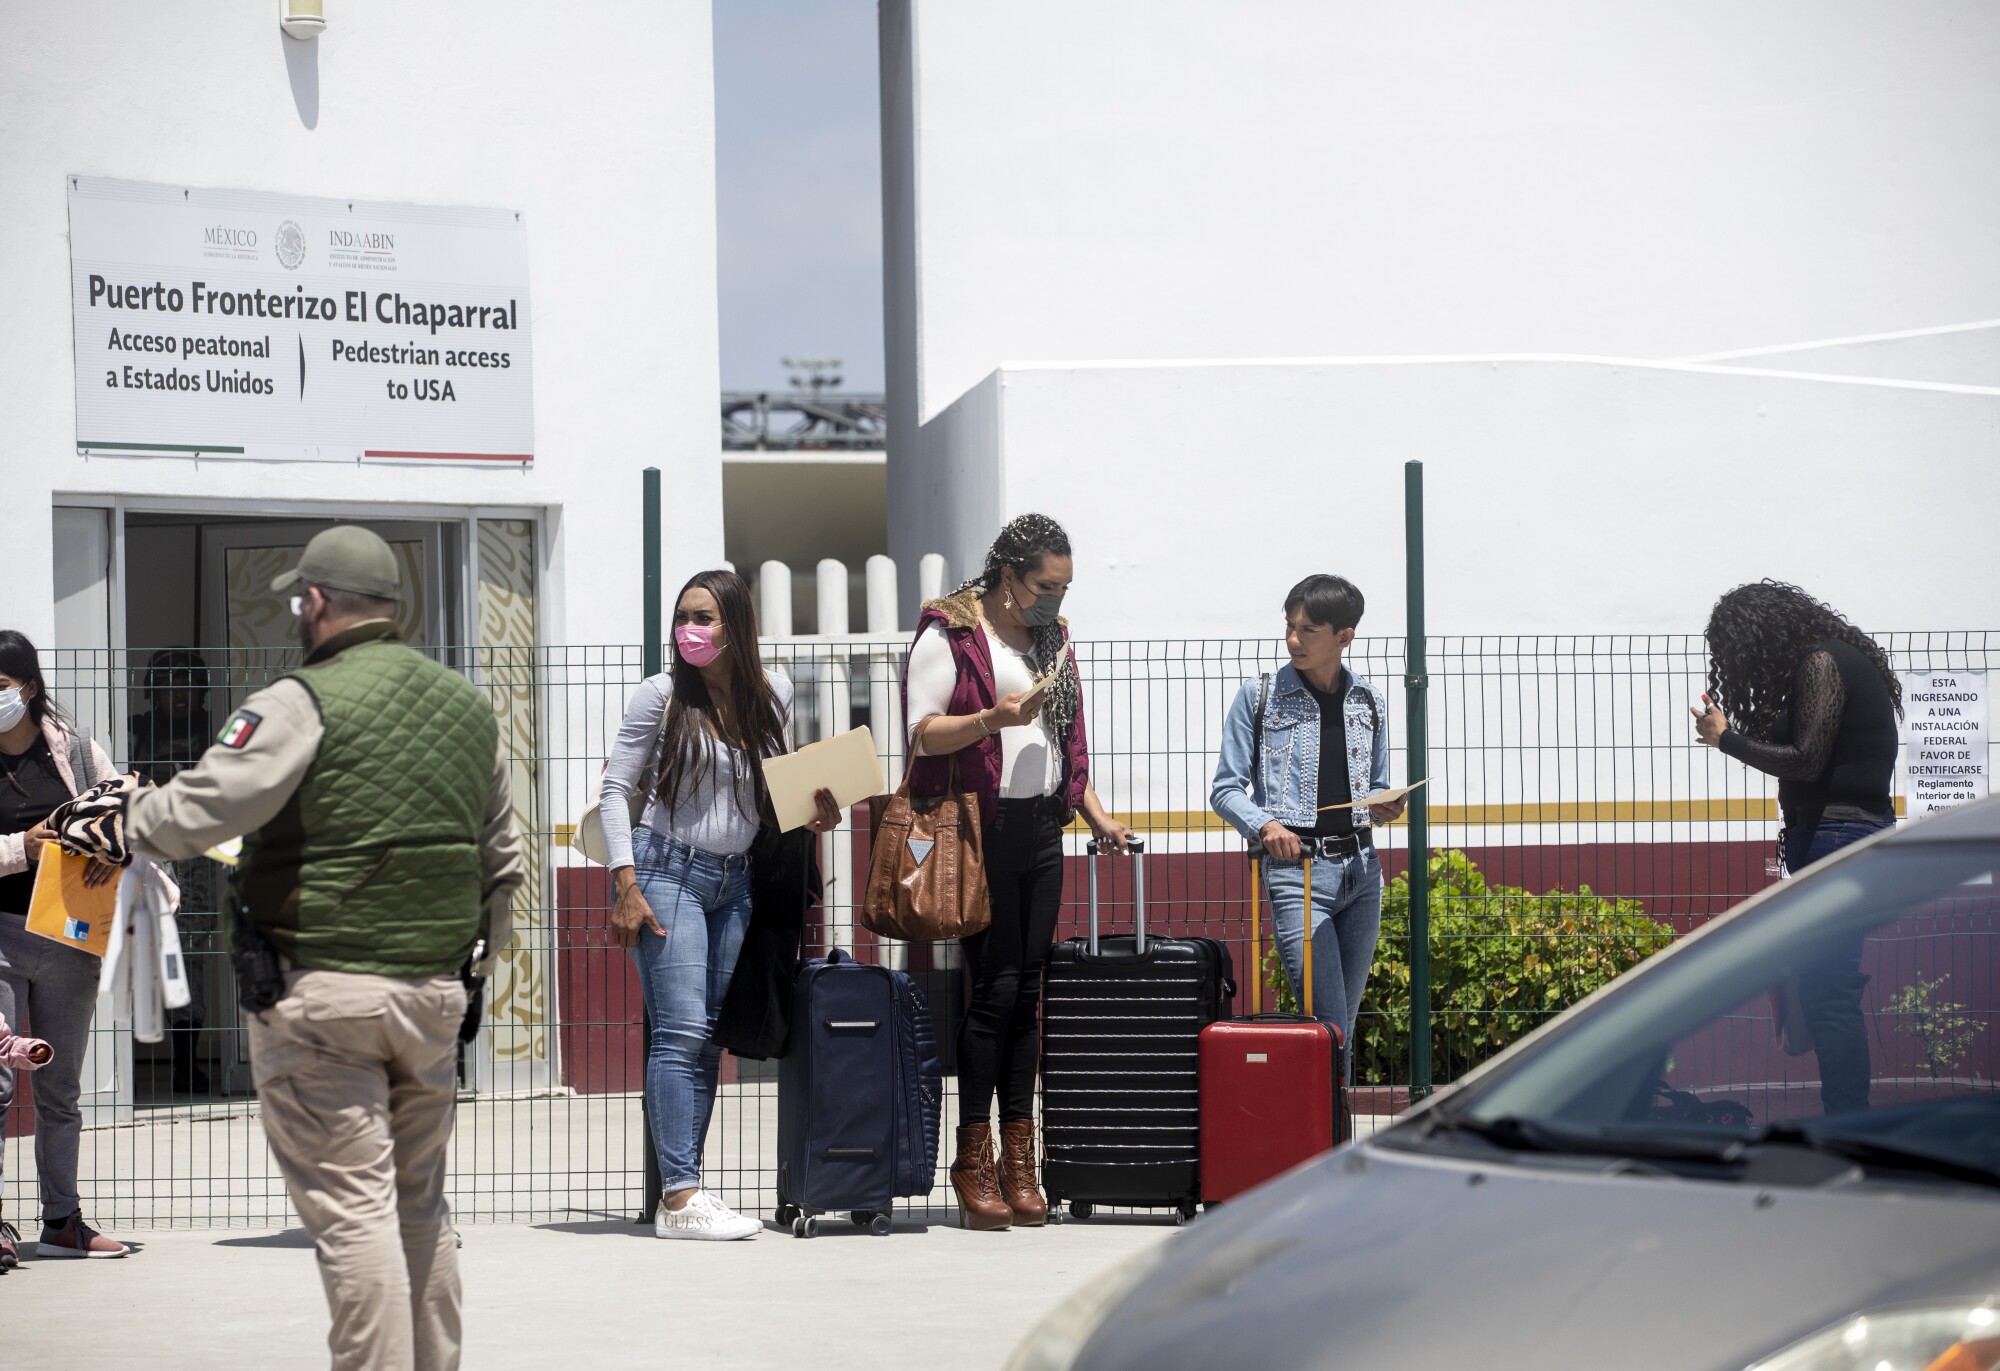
x=1651, y=1179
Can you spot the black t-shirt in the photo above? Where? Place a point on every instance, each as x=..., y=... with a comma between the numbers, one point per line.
x=30, y=790
x=1861, y=765
x=1335, y=788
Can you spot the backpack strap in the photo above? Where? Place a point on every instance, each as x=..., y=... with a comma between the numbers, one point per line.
x=1257, y=734
x=1374, y=721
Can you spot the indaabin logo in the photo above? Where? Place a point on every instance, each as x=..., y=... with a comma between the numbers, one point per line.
x=291, y=245
x=361, y=249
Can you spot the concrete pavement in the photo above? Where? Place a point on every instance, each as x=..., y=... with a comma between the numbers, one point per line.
x=585, y=1291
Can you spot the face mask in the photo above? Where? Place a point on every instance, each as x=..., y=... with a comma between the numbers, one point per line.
x=13, y=708
x=697, y=644
x=1043, y=611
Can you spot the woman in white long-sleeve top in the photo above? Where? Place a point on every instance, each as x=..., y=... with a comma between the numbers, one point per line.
x=700, y=730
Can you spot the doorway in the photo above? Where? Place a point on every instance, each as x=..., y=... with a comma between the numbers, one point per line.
x=203, y=630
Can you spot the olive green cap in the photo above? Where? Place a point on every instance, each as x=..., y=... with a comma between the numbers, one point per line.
x=347, y=557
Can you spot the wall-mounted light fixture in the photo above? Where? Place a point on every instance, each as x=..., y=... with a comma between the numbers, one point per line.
x=302, y=19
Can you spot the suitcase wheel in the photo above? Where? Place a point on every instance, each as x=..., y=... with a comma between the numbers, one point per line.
x=880, y=1225
x=786, y=1213
x=1081, y=1209
x=1183, y=1212
x=803, y=1227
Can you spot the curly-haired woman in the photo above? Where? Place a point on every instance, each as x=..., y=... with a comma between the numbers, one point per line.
x=977, y=654
x=1799, y=693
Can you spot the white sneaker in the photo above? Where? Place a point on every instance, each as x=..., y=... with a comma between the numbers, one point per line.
x=703, y=1218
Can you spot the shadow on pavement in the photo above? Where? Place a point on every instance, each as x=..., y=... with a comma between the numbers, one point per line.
x=607, y=1226
x=290, y=1237
x=831, y=1225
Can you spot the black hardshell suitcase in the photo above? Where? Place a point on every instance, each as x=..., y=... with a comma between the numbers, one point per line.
x=859, y=1096
x=1121, y=1098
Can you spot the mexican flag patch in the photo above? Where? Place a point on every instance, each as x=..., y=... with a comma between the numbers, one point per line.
x=236, y=733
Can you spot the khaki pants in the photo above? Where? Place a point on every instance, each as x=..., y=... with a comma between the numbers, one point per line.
x=356, y=1080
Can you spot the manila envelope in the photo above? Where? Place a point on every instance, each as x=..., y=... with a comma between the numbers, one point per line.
x=846, y=764
x=67, y=911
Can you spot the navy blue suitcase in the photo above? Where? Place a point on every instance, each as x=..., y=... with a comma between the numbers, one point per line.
x=860, y=1093
x=1121, y=1033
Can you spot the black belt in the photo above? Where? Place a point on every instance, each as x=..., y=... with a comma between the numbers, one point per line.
x=1337, y=845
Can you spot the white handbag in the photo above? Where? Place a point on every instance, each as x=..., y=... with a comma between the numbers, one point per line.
x=588, y=839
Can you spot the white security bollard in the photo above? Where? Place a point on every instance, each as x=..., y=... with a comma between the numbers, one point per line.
x=881, y=575
x=832, y=596
x=930, y=576
x=774, y=600
x=833, y=671
x=885, y=697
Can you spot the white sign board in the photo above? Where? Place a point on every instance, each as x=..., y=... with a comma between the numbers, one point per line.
x=1944, y=730
x=285, y=328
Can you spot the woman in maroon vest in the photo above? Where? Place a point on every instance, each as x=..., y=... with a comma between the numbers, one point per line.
x=977, y=653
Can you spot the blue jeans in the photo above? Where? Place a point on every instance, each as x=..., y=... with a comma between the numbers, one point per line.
x=1347, y=899
x=1830, y=989
x=702, y=900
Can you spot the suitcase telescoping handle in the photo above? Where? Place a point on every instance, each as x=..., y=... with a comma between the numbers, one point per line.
x=1137, y=847
x=1257, y=934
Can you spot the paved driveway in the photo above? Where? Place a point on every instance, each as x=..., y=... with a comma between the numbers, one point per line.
x=593, y=1292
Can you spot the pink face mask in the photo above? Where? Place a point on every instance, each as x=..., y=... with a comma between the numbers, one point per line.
x=697, y=644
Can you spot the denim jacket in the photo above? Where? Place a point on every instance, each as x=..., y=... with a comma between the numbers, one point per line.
x=1287, y=781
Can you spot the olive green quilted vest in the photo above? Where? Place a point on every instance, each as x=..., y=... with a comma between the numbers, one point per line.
x=374, y=864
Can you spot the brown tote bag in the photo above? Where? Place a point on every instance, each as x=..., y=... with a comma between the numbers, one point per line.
x=927, y=868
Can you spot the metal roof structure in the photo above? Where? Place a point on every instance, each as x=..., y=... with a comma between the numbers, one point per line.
x=764, y=421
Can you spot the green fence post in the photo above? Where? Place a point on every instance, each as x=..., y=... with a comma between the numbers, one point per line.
x=1417, y=688
x=649, y=578
x=650, y=574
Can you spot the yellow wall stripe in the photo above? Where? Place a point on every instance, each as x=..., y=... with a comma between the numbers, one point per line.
x=1557, y=812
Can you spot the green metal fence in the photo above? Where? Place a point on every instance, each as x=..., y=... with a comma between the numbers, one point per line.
x=1557, y=761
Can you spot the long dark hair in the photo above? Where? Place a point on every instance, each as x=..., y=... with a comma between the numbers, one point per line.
x=759, y=727
x=1022, y=544
x=1757, y=636
x=21, y=663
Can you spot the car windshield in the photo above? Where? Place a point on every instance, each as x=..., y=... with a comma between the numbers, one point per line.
x=1851, y=1014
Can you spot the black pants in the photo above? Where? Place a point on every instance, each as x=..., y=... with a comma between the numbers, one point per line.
x=1830, y=988
x=1001, y=1038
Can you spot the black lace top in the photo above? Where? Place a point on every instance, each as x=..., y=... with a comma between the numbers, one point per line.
x=1834, y=751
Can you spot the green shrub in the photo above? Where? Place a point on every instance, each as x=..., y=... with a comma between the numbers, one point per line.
x=1503, y=961
x=1942, y=1027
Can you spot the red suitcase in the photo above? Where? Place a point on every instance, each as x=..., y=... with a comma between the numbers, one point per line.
x=1270, y=1083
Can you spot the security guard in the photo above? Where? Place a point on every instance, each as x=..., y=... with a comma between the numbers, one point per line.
x=379, y=859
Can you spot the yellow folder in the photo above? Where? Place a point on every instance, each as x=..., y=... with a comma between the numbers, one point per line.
x=66, y=910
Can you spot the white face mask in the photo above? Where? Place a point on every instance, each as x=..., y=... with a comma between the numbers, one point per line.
x=13, y=708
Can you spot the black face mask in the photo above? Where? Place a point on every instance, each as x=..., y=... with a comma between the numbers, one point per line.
x=1043, y=611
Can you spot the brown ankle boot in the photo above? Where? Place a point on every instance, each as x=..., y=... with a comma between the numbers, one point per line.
x=979, y=1204
x=1017, y=1173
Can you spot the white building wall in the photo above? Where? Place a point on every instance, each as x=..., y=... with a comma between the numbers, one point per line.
x=595, y=122
x=1097, y=227
x=1562, y=496
x=1271, y=178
